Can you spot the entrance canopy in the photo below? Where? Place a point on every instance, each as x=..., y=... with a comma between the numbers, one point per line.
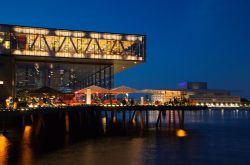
x=44, y=91
x=93, y=89
x=123, y=90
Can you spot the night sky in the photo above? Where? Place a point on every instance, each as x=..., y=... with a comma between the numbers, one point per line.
x=187, y=40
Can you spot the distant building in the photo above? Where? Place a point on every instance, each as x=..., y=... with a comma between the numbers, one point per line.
x=193, y=85
x=197, y=93
x=212, y=97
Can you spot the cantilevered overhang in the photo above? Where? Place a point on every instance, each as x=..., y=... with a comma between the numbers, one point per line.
x=119, y=65
x=72, y=46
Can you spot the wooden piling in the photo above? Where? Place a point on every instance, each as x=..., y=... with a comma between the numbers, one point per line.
x=158, y=120
x=182, y=119
x=147, y=118
x=124, y=119
x=141, y=120
x=40, y=123
x=66, y=121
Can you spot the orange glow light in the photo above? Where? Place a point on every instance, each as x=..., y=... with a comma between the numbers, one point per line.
x=181, y=133
x=4, y=144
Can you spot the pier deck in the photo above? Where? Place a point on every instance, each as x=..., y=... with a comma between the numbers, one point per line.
x=72, y=117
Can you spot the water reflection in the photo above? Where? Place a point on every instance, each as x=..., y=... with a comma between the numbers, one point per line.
x=104, y=124
x=114, y=119
x=26, y=151
x=215, y=115
x=103, y=151
x=4, y=146
x=222, y=113
x=181, y=133
x=206, y=130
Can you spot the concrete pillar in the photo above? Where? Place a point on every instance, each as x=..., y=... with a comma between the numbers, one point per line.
x=142, y=100
x=88, y=96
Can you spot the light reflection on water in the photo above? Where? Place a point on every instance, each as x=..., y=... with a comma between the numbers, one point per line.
x=214, y=136
x=4, y=146
x=104, y=123
x=26, y=146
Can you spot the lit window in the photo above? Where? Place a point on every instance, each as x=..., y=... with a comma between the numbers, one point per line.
x=1, y=37
x=7, y=44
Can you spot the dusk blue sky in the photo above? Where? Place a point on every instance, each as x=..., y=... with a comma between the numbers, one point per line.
x=187, y=40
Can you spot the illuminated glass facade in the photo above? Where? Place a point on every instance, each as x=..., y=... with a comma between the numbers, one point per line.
x=65, y=60
x=31, y=41
x=62, y=76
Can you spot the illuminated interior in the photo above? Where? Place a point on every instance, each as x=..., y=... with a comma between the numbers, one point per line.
x=62, y=76
x=31, y=41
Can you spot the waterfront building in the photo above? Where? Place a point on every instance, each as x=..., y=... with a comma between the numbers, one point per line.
x=195, y=92
x=65, y=60
x=193, y=85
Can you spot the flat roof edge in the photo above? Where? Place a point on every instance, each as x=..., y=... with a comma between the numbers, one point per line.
x=50, y=28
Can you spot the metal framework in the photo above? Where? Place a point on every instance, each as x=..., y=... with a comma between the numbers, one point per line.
x=103, y=78
x=30, y=41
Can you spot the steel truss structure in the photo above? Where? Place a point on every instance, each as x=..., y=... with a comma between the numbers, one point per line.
x=29, y=41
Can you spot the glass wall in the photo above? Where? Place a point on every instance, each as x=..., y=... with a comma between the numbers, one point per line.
x=73, y=44
x=62, y=76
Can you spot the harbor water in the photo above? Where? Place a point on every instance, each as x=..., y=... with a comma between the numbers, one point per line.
x=213, y=137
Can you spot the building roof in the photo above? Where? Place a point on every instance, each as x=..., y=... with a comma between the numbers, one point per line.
x=66, y=29
x=189, y=90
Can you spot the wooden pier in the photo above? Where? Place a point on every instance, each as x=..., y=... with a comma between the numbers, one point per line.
x=73, y=119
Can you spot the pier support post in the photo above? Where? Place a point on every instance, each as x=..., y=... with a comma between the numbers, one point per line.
x=179, y=118
x=133, y=116
x=141, y=120
x=106, y=115
x=124, y=119
x=23, y=120
x=182, y=119
x=169, y=119
x=147, y=119
x=129, y=115
x=67, y=121
x=40, y=123
x=158, y=120
x=174, y=118
x=111, y=119
x=80, y=118
x=32, y=118
x=114, y=116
